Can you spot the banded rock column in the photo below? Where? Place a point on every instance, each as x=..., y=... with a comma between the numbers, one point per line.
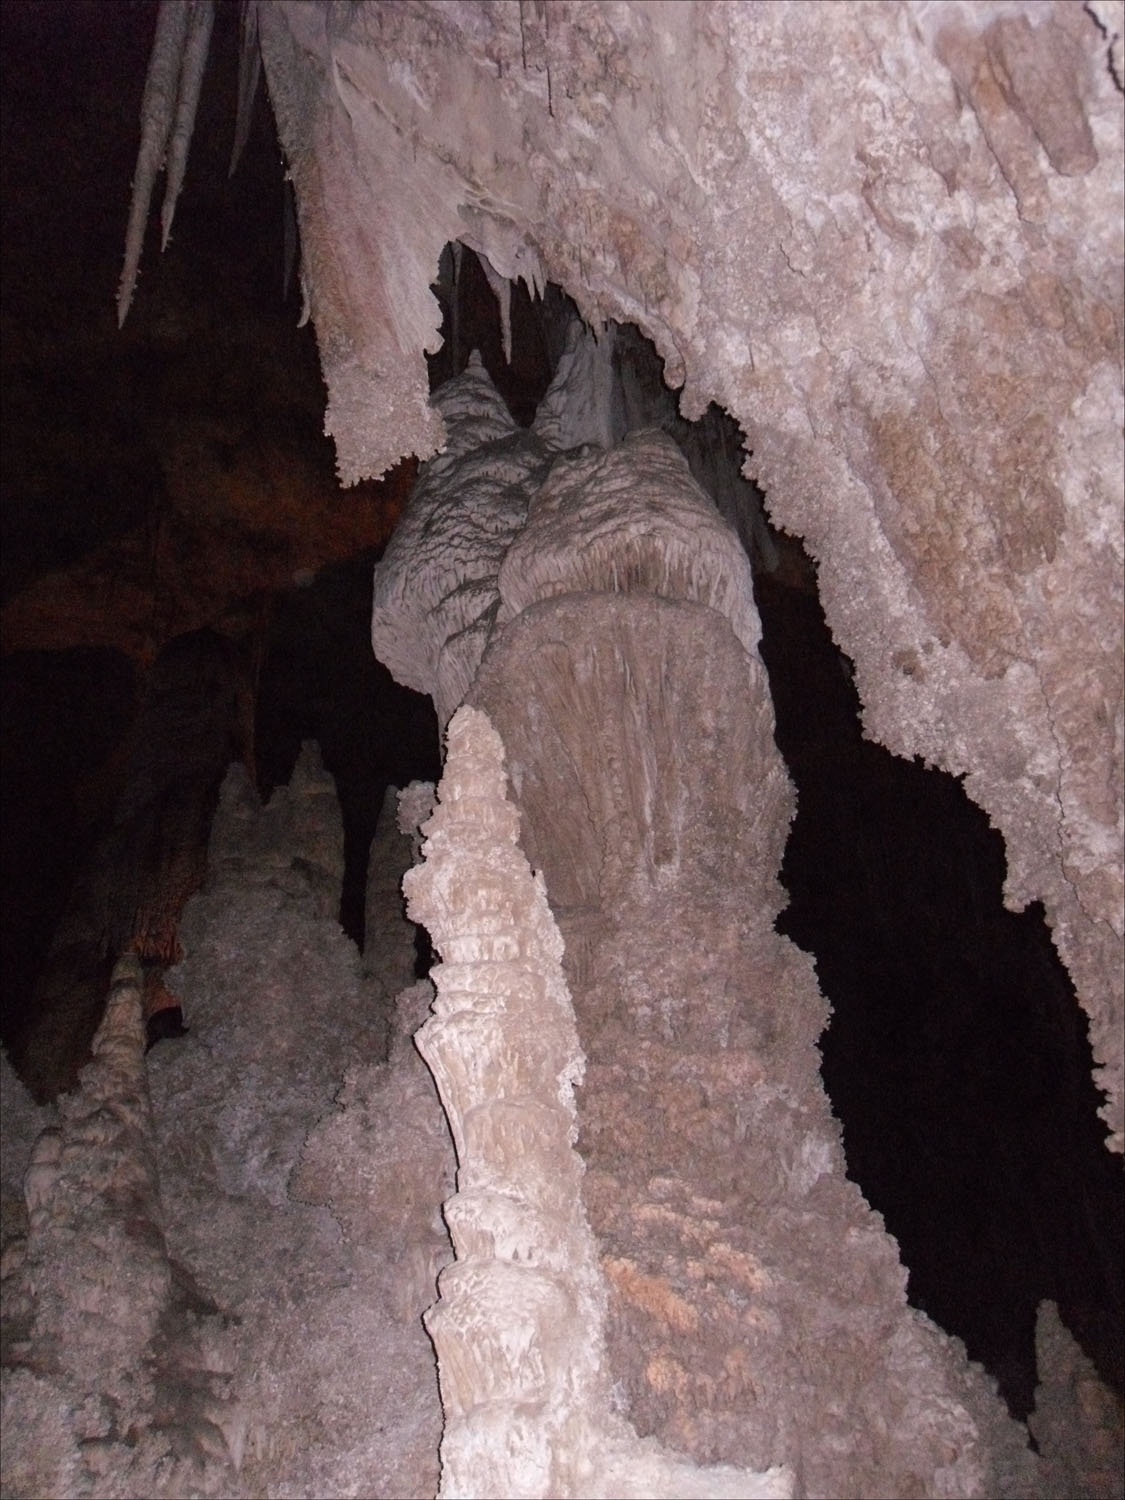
x=518, y=1327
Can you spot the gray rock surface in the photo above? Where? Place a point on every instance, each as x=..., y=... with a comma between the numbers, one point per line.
x=435, y=592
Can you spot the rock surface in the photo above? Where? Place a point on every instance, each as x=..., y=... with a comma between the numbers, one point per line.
x=116, y=1383
x=295, y=1202
x=219, y=1292
x=638, y=734
x=639, y=737
x=1077, y=1419
x=630, y=520
x=868, y=247
x=436, y=595
x=519, y=1325
x=868, y=242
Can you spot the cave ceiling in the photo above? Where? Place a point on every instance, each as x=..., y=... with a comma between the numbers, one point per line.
x=172, y=474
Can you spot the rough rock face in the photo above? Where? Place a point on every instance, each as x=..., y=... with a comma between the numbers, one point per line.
x=389, y=951
x=264, y=1114
x=219, y=1292
x=22, y=1121
x=117, y=1385
x=519, y=1324
x=435, y=588
x=639, y=737
x=1077, y=1419
x=630, y=520
x=868, y=244
x=295, y=842
x=622, y=679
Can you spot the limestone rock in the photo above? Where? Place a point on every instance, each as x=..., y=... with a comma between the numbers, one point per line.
x=518, y=1327
x=583, y=403
x=278, y=1123
x=295, y=843
x=1077, y=1421
x=435, y=594
x=866, y=245
x=631, y=520
x=117, y=1388
x=639, y=741
x=388, y=943
x=608, y=702
x=22, y=1121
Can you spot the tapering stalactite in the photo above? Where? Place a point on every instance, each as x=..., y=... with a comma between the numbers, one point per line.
x=171, y=98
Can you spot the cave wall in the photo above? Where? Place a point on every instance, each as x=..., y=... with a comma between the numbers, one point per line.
x=886, y=238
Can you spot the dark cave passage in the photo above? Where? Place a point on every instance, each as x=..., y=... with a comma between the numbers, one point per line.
x=65, y=716
x=957, y=1058
x=320, y=680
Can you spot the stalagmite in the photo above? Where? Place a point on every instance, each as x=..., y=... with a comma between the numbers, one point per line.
x=90, y=1401
x=518, y=1327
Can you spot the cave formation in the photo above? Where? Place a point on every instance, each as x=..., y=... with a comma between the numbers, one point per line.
x=956, y=1057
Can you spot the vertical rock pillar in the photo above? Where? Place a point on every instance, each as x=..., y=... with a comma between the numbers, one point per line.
x=97, y=1279
x=519, y=1325
x=513, y=1328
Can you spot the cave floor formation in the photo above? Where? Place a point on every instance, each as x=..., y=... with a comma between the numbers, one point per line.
x=258, y=1313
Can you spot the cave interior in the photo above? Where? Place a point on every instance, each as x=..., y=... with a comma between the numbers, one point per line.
x=956, y=1057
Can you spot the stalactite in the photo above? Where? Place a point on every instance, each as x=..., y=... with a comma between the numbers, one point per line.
x=502, y=291
x=171, y=96
x=187, y=101
x=157, y=107
x=249, y=69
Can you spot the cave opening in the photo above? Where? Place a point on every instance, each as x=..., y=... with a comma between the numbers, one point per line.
x=957, y=1058
x=65, y=716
